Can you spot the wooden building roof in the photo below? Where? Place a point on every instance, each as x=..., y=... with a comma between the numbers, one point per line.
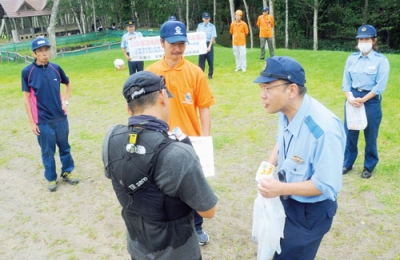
x=23, y=8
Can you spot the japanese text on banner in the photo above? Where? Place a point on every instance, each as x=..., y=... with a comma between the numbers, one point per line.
x=149, y=48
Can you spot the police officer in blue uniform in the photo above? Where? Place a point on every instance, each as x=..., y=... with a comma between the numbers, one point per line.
x=134, y=66
x=211, y=34
x=308, y=155
x=364, y=80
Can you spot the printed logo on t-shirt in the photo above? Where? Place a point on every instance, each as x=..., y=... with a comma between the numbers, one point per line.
x=188, y=99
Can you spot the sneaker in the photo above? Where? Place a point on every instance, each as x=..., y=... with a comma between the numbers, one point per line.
x=68, y=177
x=244, y=70
x=366, y=174
x=52, y=185
x=236, y=70
x=209, y=77
x=203, y=238
x=345, y=170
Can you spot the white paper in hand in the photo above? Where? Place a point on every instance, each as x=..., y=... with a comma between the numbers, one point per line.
x=265, y=170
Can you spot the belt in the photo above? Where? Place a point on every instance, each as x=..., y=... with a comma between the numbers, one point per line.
x=361, y=90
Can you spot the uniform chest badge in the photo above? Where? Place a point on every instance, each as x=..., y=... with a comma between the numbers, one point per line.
x=297, y=159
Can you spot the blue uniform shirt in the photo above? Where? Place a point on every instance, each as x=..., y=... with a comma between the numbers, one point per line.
x=125, y=39
x=209, y=29
x=313, y=149
x=369, y=73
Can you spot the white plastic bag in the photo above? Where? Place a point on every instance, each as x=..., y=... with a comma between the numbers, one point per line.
x=268, y=224
x=356, y=118
x=268, y=218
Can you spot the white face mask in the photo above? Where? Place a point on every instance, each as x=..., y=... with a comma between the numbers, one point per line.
x=364, y=47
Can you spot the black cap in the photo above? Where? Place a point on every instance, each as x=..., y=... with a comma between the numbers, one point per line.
x=143, y=83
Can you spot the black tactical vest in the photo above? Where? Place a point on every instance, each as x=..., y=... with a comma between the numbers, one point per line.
x=130, y=155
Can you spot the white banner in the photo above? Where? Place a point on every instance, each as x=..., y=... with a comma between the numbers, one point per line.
x=149, y=48
x=203, y=145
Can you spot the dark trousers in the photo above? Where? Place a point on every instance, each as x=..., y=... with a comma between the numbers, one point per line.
x=209, y=56
x=373, y=111
x=270, y=43
x=198, y=222
x=305, y=226
x=135, y=66
x=52, y=135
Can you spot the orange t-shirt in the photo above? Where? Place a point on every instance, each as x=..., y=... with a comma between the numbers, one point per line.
x=239, y=32
x=265, y=24
x=191, y=92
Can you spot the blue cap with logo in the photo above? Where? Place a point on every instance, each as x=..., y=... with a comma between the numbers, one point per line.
x=206, y=15
x=173, y=31
x=366, y=31
x=265, y=9
x=130, y=23
x=172, y=18
x=282, y=67
x=40, y=42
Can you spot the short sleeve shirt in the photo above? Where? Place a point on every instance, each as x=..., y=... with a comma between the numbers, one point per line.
x=209, y=29
x=312, y=147
x=127, y=36
x=191, y=92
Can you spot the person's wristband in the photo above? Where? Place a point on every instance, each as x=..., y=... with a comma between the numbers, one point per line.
x=65, y=102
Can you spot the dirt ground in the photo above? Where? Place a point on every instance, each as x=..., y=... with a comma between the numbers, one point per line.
x=83, y=221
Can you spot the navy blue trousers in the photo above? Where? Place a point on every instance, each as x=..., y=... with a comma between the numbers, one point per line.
x=209, y=56
x=198, y=222
x=52, y=135
x=135, y=66
x=305, y=226
x=373, y=111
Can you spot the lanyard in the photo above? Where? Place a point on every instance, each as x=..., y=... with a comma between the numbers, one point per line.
x=286, y=149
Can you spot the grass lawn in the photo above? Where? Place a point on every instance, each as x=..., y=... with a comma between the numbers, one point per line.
x=85, y=221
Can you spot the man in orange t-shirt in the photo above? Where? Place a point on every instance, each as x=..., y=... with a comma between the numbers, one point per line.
x=239, y=31
x=192, y=95
x=265, y=23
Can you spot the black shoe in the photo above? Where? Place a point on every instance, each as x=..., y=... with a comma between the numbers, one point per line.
x=345, y=170
x=209, y=77
x=366, y=174
x=261, y=58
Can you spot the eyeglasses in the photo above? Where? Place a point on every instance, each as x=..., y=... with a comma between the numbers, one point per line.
x=265, y=87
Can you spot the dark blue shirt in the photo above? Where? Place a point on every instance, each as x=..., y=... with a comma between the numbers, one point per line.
x=43, y=83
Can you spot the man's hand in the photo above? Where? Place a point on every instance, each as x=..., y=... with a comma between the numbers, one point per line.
x=35, y=129
x=270, y=187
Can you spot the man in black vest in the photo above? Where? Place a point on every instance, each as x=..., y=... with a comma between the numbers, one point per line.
x=157, y=180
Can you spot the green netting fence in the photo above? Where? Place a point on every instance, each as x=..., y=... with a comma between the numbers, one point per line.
x=99, y=41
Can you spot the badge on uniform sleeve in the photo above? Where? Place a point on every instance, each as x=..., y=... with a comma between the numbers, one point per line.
x=297, y=159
